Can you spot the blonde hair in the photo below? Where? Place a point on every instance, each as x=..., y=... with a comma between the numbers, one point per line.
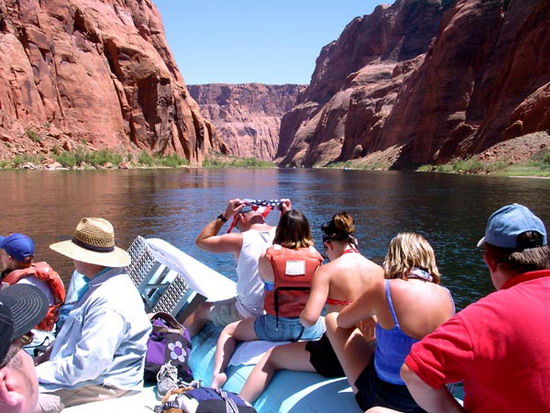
x=408, y=250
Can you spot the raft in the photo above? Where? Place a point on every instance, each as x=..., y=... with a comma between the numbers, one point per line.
x=172, y=281
x=289, y=391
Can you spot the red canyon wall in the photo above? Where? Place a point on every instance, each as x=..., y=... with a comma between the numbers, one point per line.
x=423, y=82
x=247, y=116
x=97, y=73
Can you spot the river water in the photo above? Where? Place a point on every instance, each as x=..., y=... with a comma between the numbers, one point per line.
x=174, y=204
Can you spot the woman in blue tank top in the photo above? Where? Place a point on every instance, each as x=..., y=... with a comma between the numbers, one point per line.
x=408, y=304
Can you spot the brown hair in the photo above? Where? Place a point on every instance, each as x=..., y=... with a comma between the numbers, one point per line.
x=340, y=228
x=520, y=261
x=408, y=250
x=293, y=231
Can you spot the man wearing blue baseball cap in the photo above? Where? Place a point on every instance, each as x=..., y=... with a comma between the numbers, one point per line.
x=247, y=245
x=18, y=246
x=499, y=347
x=16, y=259
x=21, y=308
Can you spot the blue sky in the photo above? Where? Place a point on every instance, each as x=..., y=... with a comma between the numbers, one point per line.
x=263, y=41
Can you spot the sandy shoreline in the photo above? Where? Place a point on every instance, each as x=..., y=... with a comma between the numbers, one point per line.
x=533, y=177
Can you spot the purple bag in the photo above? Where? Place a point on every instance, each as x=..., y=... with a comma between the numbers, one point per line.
x=169, y=342
x=204, y=400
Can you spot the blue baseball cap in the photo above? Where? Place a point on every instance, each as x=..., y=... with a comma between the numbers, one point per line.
x=507, y=223
x=18, y=246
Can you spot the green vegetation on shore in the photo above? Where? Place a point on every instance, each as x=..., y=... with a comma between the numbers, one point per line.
x=533, y=167
x=84, y=159
x=92, y=158
x=33, y=136
x=357, y=166
x=19, y=160
x=218, y=161
x=468, y=166
x=105, y=158
x=170, y=161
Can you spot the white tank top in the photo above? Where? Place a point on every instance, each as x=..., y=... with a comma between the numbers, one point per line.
x=250, y=288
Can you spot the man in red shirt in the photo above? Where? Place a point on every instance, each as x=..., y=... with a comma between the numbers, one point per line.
x=499, y=347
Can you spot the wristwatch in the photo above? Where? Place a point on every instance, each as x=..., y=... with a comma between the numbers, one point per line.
x=222, y=218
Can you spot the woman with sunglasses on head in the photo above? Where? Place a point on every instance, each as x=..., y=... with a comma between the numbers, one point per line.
x=408, y=304
x=287, y=269
x=335, y=286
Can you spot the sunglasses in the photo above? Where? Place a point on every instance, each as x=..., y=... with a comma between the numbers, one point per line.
x=24, y=340
x=16, y=346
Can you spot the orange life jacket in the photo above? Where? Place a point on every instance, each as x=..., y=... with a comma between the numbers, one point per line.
x=43, y=272
x=293, y=271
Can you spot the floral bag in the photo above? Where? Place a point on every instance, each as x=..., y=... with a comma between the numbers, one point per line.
x=169, y=342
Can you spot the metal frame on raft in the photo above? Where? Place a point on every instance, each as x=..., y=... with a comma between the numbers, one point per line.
x=162, y=288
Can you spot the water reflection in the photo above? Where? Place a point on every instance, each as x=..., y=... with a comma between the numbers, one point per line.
x=450, y=211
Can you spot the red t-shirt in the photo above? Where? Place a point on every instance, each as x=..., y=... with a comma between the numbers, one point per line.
x=499, y=347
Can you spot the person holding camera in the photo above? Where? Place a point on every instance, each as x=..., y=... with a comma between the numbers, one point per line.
x=254, y=237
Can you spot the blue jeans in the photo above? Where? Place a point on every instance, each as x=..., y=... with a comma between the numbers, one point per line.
x=288, y=328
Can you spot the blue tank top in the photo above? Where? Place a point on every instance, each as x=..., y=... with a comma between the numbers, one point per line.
x=392, y=346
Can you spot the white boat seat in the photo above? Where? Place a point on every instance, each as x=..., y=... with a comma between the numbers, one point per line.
x=162, y=288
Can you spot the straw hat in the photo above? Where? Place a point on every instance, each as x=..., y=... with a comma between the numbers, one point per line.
x=94, y=243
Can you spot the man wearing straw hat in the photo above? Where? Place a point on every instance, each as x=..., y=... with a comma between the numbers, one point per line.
x=100, y=350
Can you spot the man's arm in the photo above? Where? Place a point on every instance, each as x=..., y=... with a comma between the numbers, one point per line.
x=93, y=354
x=209, y=240
x=432, y=400
x=444, y=356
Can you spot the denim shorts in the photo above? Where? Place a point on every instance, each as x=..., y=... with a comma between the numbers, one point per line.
x=267, y=328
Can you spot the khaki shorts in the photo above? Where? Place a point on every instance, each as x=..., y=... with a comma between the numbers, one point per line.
x=225, y=312
x=55, y=401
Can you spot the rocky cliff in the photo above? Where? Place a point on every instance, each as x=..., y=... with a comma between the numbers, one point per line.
x=247, y=117
x=423, y=81
x=97, y=73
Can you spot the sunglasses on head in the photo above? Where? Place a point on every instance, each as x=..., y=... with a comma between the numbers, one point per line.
x=327, y=238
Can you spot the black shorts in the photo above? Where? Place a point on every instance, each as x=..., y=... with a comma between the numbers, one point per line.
x=323, y=358
x=373, y=391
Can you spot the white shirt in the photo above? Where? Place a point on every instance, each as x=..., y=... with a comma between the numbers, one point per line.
x=250, y=288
